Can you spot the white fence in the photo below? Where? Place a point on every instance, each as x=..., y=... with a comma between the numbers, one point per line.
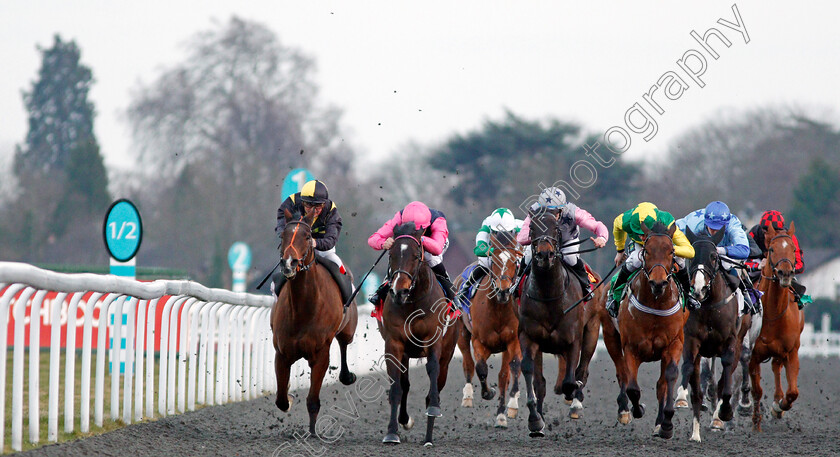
x=822, y=343
x=214, y=347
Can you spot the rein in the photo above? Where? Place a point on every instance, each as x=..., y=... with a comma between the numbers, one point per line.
x=412, y=277
x=306, y=254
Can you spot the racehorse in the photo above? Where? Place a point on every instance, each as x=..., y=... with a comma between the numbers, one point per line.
x=495, y=325
x=415, y=324
x=307, y=315
x=714, y=330
x=650, y=325
x=781, y=327
x=544, y=325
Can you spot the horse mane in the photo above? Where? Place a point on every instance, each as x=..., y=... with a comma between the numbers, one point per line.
x=505, y=238
x=406, y=228
x=659, y=227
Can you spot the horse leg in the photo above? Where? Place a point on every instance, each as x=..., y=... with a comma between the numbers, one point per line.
x=612, y=341
x=778, y=393
x=693, y=374
x=588, y=346
x=670, y=373
x=561, y=368
x=707, y=371
x=535, y=421
x=723, y=411
x=481, y=355
x=755, y=380
x=634, y=393
x=345, y=337
x=689, y=367
x=570, y=383
x=504, y=377
x=468, y=365
x=405, y=385
x=745, y=401
x=515, y=368
x=791, y=373
x=282, y=370
x=540, y=382
x=393, y=355
x=318, y=366
x=433, y=397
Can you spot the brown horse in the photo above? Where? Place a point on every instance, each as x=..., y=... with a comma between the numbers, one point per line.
x=650, y=324
x=495, y=325
x=306, y=317
x=714, y=330
x=544, y=325
x=415, y=324
x=782, y=324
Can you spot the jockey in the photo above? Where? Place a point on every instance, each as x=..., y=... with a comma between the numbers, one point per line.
x=570, y=220
x=435, y=241
x=314, y=203
x=756, y=233
x=501, y=220
x=734, y=244
x=629, y=224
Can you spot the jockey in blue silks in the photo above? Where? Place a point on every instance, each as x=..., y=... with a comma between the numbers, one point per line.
x=734, y=245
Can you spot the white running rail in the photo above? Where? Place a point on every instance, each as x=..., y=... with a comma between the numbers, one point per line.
x=214, y=347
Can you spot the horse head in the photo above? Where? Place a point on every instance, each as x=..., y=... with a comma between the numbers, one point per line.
x=405, y=258
x=658, y=256
x=503, y=263
x=705, y=265
x=781, y=254
x=296, y=245
x=545, y=240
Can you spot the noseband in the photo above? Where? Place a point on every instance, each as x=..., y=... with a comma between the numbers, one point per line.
x=773, y=265
x=412, y=277
x=710, y=276
x=647, y=272
x=309, y=249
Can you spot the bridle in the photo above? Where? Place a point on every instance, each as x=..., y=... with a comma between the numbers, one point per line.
x=774, y=265
x=420, y=258
x=668, y=271
x=301, y=267
x=552, y=241
x=494, y=278
x=710, y=275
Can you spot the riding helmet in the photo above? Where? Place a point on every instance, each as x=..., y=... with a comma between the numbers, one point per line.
x=717, y=215
x=314, y=192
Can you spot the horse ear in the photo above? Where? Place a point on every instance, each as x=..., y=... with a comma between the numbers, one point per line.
x=769, y=233
x=717, y=237
x=690, y=235
x=792, y=229
x=287, y=214
x=645, y=229
x=672, y=230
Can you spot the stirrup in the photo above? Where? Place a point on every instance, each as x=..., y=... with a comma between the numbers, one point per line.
x=612, y=306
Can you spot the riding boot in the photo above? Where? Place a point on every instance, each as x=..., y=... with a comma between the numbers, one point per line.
x=342, y=279
x=448, y=289
x=476, y=275
x=799, y=293
x=277, y=281
x=378, y=297
x=685, y=285
x=616, y=290
x=580, y=272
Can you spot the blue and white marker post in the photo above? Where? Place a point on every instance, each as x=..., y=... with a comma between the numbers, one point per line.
x=294, y=181
x=239, y=259
x=123, y=233
x=369, y=286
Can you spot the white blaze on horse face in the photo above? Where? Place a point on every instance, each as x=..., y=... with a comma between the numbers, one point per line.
x=699, y=279
x=784, y=244
x=403, y=248
x=504, y=256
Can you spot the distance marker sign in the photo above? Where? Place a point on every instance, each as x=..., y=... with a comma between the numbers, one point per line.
x=123, y=230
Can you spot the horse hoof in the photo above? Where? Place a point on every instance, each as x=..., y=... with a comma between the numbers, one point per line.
x=576, y=410
x=666, y=433
x=513, y=406
x=567, y=401
x=467, y=403
x=347, y=379
x=717, y=425
x=428, y=444
x=488, y=394
x=512, y=412
x=681, y=404
x=391, y=438
x=408, y=425
x=745, y=410
x=776, y=411
x=434, y=411
x=682, y=398
x=656, y=430
x=726, y=414
x=639, y=411
x=284, y=405
x=501, y=421
x=558, y=390
x=536, y=428
x=624, y=417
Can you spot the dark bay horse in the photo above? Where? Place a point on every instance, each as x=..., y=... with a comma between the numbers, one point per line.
x=544, y=326
x=650, y=325
x=415, y=324
x=306, y=317
x=495, y=326
x=782, y=325
x=714, y=330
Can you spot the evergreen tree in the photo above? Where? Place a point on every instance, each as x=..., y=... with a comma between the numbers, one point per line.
x=815, y=206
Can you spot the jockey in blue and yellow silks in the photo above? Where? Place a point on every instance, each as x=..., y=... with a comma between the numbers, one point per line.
x=629, y=224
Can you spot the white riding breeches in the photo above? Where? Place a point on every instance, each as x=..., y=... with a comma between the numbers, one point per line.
x=434, y=260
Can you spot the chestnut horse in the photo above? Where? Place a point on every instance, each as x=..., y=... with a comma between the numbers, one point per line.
x=544, y=325
x=307, y=315
x=495, y=326
x=714, y=330
x=415, y=324
x=650, y=325
x=781, y=326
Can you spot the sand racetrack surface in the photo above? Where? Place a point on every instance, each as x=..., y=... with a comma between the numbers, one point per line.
x=257, y=427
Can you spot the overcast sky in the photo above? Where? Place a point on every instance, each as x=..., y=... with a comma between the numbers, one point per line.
x=425, y=70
